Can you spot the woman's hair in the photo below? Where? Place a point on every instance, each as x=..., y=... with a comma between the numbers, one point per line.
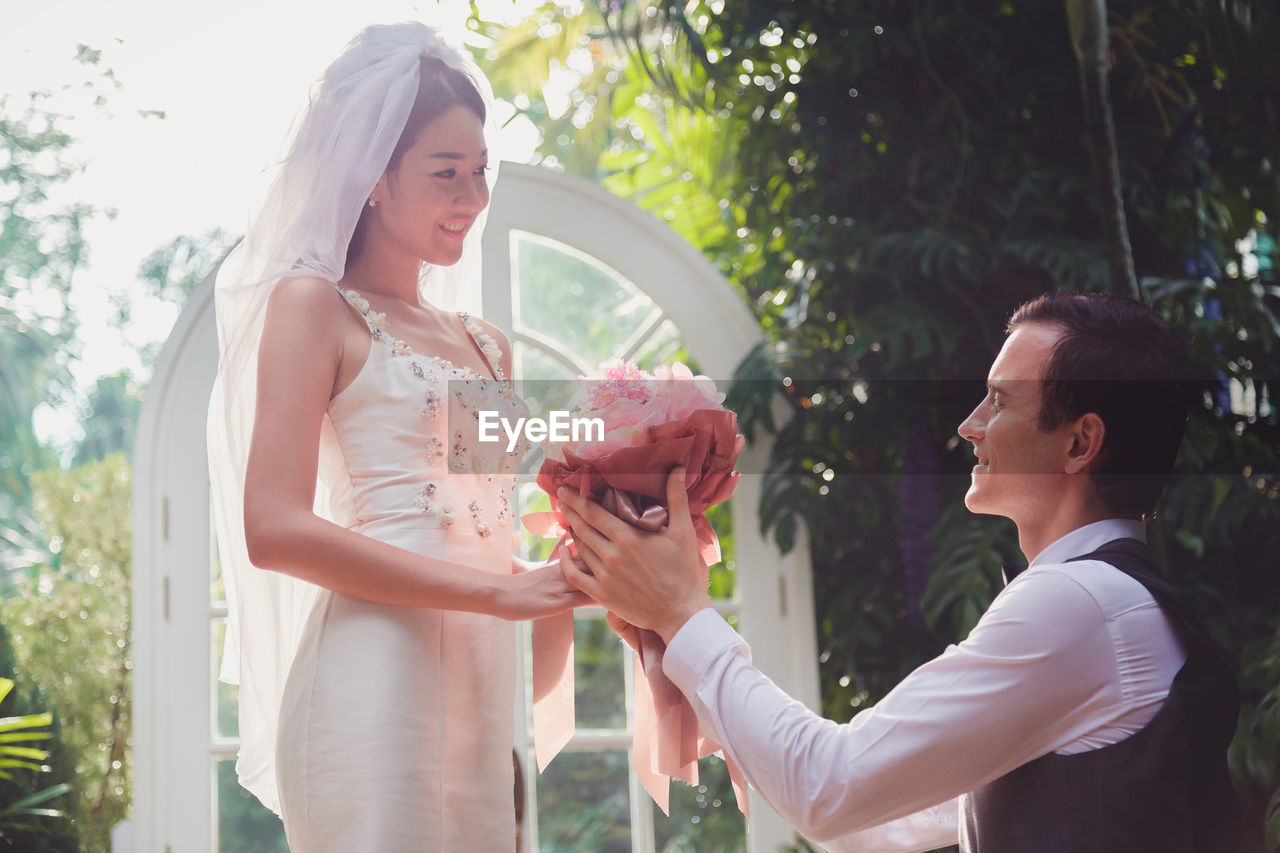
x=440, y=86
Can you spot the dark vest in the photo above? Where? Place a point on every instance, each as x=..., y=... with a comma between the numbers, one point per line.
x=1163, y=789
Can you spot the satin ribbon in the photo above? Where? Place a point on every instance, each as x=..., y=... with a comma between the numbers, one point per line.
x=666, y=741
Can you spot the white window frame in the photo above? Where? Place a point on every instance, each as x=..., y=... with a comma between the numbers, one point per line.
x=174, y=747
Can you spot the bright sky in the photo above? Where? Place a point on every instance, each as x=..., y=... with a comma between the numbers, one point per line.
x=230, y=78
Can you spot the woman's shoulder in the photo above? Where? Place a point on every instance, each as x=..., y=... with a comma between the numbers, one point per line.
x=306, y=291
x=311, y=303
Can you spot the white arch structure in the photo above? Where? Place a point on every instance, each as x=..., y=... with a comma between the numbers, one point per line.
x=173, y=731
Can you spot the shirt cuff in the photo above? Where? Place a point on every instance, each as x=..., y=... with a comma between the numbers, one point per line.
x=696, y=646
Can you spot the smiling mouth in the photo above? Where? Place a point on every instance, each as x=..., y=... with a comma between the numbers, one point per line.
x=456, y=229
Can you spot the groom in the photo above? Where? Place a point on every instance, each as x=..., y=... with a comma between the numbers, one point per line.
x=1086, y=711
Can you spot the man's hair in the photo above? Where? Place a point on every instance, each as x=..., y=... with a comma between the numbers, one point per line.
x=1117, y=359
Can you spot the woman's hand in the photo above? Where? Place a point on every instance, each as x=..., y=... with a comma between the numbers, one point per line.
x=536, y=591
x=629, y=633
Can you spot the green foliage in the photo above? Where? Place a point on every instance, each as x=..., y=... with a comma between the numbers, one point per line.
x=583, y=804
x=15, y=732
x=244, y=824
x=172, y=271
x=70, y=627
x=41, y=247
x=892, y=179
x=109, y=418
x=703, y=816
x=967, y=567
x=27, y=368
x=1257, y=744
x=64, y=537
x=33, y=802
x=170, y=274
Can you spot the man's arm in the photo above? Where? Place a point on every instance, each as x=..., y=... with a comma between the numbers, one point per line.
x=1037, y=672
x=710, y=664
x=1027, y=681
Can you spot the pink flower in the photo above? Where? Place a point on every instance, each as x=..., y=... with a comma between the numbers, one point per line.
x=620, y=380
x=680, y=393
x=675, y=420
x=631, y=401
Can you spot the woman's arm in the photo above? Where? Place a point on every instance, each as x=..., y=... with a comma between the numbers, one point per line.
x=301, y=351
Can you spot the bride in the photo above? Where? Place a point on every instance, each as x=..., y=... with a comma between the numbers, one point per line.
x=365, y=537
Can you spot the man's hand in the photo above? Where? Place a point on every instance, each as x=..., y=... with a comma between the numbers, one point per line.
x=650, y=580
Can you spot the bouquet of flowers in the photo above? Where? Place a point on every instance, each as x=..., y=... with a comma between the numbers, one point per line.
x=651, y=424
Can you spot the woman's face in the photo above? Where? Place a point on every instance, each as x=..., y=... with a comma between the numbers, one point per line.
x=428, y=203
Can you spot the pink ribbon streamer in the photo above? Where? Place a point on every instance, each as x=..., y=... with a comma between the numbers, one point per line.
x=666, y=740
x=553, y=704
x=554, y=709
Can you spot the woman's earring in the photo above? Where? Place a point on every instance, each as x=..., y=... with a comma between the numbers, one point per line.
x=373, y=202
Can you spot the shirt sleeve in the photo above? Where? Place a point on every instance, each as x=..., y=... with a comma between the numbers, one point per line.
x=1036, y=672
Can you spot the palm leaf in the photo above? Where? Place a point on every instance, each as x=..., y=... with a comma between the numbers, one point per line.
x=14, y=737
x=25, y=807
x=26, y=721
x=524, y=53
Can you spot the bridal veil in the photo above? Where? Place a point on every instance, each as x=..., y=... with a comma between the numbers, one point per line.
x=338, y=148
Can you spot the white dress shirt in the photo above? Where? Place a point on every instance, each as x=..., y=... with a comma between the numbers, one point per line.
x=1069, y=657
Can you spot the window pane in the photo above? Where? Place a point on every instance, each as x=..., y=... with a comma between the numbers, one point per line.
x=664, y=346
x=534, y=363
x=600, y=691
x=244, y=824
x=225, y=696
x=703, y=816
x=583, y=804
x=574, y=299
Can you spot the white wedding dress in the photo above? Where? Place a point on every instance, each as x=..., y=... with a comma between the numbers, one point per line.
x=395, y=728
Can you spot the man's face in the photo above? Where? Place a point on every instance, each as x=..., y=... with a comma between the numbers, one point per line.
x=1020, y=467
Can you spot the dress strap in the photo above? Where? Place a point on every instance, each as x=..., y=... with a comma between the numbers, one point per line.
x=374, y=320
x=488, y=347
x=377, y=323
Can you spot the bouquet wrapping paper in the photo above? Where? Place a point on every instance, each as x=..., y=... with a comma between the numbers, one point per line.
x=652, y=424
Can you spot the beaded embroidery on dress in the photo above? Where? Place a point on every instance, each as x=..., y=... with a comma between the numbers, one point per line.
x=429, y=692
x=452, y=400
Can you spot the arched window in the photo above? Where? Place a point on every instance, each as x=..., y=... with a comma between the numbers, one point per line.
x=552, y=241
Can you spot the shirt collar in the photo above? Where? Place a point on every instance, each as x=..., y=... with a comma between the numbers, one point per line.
x=1084, y=540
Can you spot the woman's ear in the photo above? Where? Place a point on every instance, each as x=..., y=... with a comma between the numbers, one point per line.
x=379, y=191
x=1087, y=436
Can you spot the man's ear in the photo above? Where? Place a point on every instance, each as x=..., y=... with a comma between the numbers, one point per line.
x=1087, y=436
